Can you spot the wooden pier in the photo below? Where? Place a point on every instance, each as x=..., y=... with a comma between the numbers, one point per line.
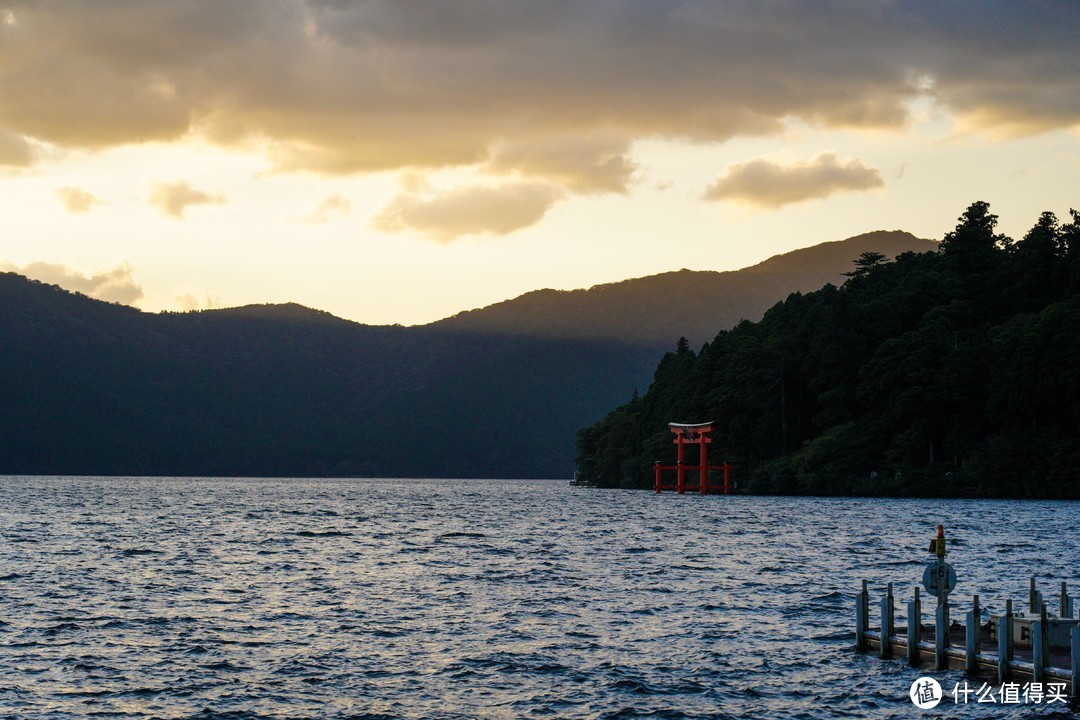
x=1032, y=647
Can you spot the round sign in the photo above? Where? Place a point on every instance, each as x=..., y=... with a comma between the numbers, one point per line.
x=938, y=574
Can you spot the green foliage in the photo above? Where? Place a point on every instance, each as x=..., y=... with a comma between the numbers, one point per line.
x=945, y=373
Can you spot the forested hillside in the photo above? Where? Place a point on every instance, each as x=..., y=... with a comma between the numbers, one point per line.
x=954, y=372
x=93, y=388
x=656, y=310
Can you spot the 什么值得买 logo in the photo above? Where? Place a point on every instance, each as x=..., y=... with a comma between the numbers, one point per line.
x=925, y=693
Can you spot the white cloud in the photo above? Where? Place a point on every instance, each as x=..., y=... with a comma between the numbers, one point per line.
x=175, y=198
x=77, y=200
x=768, y=184
x=335, y=204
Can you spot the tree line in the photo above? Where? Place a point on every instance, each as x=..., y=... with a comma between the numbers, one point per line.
x=954, y=372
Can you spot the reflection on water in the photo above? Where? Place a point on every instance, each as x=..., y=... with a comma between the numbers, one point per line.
x=176, y=597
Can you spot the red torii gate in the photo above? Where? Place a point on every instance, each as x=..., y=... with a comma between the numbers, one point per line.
x=692, y=434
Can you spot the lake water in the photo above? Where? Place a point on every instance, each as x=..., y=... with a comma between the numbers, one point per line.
x=207, y=598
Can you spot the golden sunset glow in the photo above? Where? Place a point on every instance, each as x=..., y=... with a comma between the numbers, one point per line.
x=399, y=162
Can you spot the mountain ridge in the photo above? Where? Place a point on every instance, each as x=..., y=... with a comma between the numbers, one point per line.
x=91, y=387
x=704, y=304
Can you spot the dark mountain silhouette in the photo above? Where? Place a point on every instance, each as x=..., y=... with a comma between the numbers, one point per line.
x=88, y=387
x=692, y=304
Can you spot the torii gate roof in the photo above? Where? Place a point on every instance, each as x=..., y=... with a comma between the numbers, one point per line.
x=696, y=427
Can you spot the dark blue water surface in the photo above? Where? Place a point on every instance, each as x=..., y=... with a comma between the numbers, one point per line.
x=254, y=598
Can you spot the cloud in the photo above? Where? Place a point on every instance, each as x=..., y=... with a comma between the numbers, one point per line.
x=586, y=165
x=15, y=151
x=196, y=299
x=334, y=204
x=116, y=285
x=175, y=198
x=338, y=87
x=771, y=185
x=77, y=200
x=471, y=210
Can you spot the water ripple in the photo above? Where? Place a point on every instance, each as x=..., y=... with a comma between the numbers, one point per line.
x=348, y=599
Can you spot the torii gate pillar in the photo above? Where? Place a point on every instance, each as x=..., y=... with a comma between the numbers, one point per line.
x=692, y=434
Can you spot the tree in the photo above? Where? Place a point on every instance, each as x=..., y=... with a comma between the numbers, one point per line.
x=866, y=262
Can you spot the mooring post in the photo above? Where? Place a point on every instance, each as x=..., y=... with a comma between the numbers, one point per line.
x=1044, y=636
x=1004, y=632
x=862, y=618
x=885, y=650
x=1009, y=634
x=973, y=618
x=918, y=612
x=1065, y=611
x=1033, y=598
x=1075, y=632
x=1038, y=650
x=1005, y=643
x=914, y=629
x=972, y=642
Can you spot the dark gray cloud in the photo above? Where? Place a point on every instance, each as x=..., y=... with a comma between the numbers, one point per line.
x=377, y=85
x=14, y=150
x=771, y=185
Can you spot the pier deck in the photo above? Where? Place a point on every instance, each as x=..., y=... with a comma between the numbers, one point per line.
x=1046, y=650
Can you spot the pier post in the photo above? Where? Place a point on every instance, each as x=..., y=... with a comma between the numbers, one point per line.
x=969, y=656
x=974, y=634
x=862, y=618
x=941, y=634
x=914, y=629
x=1038, y=651
x=1044, y=637
x=885, y=650
x=1066, y=611
x=1004, y=633
x=974, y=616
x=1033, y=598
x=1075, y=633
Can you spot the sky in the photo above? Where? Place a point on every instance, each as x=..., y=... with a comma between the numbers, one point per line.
x=397, y=162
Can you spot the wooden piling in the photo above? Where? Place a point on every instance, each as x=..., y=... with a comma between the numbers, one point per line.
x=885, y=650
x=914, y=624
x=972, y=649
x=1038, y=651
x=1075, y=637
x=862, y=618
x=1004, y=631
